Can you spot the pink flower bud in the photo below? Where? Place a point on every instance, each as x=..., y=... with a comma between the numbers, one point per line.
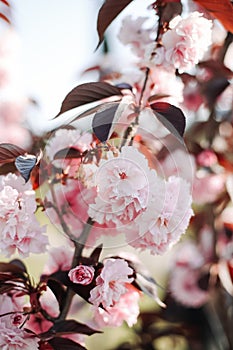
x=207, y=158
x=82, y=274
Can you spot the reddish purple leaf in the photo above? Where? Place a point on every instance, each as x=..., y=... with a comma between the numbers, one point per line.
x=5, y=18
x=167, y=10
x=87, y=93
x=108, y=12
x=102, y=122
x=171, y=117
x=9, y=152
x=68, y=153
x=11, y=268
x=58, y=290
x=64, y=327
x=213, y=88
x=6, y=288
x=65, y=344
x=222, y=10
x=71, y=326
x=96, y=254
x=6, y=3
x=19, y=264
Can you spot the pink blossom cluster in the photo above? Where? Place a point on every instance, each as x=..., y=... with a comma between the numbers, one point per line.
x=111, y=283
x=166, y=218
x=114, y=298
x=12, y=337
x=151, y=211
x=184, y=45
x=20, y=230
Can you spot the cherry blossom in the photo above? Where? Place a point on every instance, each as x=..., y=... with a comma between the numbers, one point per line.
x=112, y=282
x=14, y=338
x=123, y=185
x=185, y=43
x=126, y=309
x=13, y=303
x=166, y=217
x=19, y=227
x=59, y=258
x=82, y=274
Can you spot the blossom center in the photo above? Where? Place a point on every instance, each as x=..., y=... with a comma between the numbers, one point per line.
x=123, y=175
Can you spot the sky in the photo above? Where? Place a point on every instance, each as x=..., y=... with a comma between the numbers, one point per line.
x=57, y=43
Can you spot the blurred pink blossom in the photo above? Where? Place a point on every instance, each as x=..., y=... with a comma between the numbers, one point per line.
x=207, y=158
x=82, y=274
x=72, y=199
x=132, y=33
x=207, y=188
x=112, y=282
x=185, y=275
x=19, y=227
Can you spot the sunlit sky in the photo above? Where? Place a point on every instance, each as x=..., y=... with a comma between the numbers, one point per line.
x=57, y=42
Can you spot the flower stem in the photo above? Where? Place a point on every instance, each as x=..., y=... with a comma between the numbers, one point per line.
x=79, y=246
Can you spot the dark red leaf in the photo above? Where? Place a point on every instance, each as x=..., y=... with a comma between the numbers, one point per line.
x=171, y=117
x=222, y=10
x=65, y=344
x=58, y=290
x=5, y=18
x=124, y=86
x=6, y=3
x=11, y=268
x=69, y=327
x=6, y=288
x=102, y=122
x=108, y=12
x=171, y=10
x=19, y=264
x=213, y=88
x=45, y=346
x=68, y=153
x=11, y=277
x=9, y=152
x=87, y=93
x=96, y=254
